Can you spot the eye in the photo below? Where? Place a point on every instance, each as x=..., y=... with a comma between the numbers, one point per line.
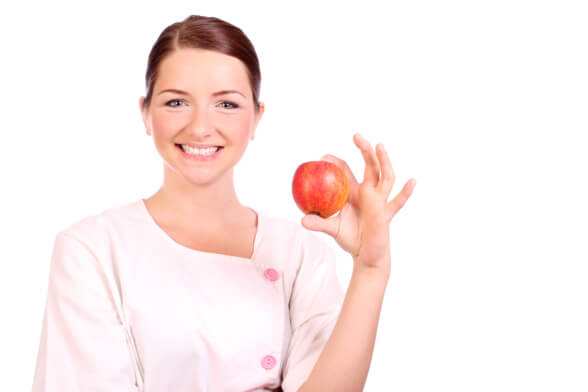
x=234, y=105
x=174, y=100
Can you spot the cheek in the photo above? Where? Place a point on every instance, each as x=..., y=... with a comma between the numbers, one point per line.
x=169, y=121
x=236, y=126
x=244, y=127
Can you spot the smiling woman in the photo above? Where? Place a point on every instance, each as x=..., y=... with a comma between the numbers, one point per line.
x=188, y=289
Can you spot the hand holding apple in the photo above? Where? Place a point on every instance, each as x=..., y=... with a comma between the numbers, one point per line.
x=362, y=226
x=320, y=187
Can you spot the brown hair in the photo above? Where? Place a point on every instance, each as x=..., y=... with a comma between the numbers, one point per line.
x=203, y=32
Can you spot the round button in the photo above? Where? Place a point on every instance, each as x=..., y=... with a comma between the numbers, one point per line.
x=271, y=274
x=268, y=362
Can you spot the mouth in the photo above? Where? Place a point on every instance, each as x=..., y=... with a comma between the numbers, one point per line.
x=195, y=156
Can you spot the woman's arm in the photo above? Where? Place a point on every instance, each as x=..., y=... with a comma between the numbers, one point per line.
x=345, y=360
x=84, y=344
x=361, y=228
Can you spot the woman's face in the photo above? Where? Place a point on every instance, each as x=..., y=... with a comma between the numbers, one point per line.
x=203, y=113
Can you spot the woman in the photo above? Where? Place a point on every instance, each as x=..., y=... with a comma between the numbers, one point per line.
x=189, y=290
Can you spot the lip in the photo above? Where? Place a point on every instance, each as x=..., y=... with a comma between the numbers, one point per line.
x=199, y=158
x=196, y=145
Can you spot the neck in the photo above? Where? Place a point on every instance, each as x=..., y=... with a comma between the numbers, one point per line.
x=185, y=203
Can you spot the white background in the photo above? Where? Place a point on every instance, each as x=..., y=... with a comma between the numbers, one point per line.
x=483, y=103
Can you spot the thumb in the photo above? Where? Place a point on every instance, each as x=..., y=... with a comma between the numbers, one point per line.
x=328, y=158
x=316, y=223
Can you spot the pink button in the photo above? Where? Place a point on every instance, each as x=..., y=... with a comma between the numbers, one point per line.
x=271, y=274
x=268, y=362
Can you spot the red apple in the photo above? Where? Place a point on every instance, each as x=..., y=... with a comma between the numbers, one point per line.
x=320, y=187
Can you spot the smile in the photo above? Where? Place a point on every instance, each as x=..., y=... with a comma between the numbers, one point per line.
x=192, y=154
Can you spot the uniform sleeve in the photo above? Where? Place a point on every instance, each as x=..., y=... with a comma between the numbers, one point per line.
x=315, y=304
x=83, y=341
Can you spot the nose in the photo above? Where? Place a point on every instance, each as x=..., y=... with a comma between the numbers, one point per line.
x=200, y=128
x=199, y=133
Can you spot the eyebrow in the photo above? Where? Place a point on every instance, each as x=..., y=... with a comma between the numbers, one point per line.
x=221, y=92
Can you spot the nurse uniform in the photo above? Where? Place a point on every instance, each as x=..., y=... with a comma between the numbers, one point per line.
x=131, y=310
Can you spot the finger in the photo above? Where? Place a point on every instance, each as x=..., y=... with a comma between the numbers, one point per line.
x=398, y=202
x=372, y=168
x=353, y=185
x=329, y=226
x=387, y=179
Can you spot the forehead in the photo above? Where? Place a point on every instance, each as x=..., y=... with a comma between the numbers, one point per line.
x=198, y=68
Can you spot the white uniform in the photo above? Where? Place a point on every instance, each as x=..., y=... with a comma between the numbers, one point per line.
x=130, y=309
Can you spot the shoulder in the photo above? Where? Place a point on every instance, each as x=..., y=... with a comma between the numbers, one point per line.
x=287, y=232
x=276, y=226
x=96, y=229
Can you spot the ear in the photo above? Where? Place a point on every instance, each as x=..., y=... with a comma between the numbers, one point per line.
x=144, y=115
x=261, y=110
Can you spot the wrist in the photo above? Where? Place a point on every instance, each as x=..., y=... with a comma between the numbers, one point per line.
x=379, y=271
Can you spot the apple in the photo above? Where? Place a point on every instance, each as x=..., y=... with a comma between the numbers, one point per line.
x=320, y=187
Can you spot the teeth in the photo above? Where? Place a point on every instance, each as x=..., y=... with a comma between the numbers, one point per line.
x=199, y=151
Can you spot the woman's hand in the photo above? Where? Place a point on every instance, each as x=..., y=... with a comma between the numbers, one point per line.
x=361, y=228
